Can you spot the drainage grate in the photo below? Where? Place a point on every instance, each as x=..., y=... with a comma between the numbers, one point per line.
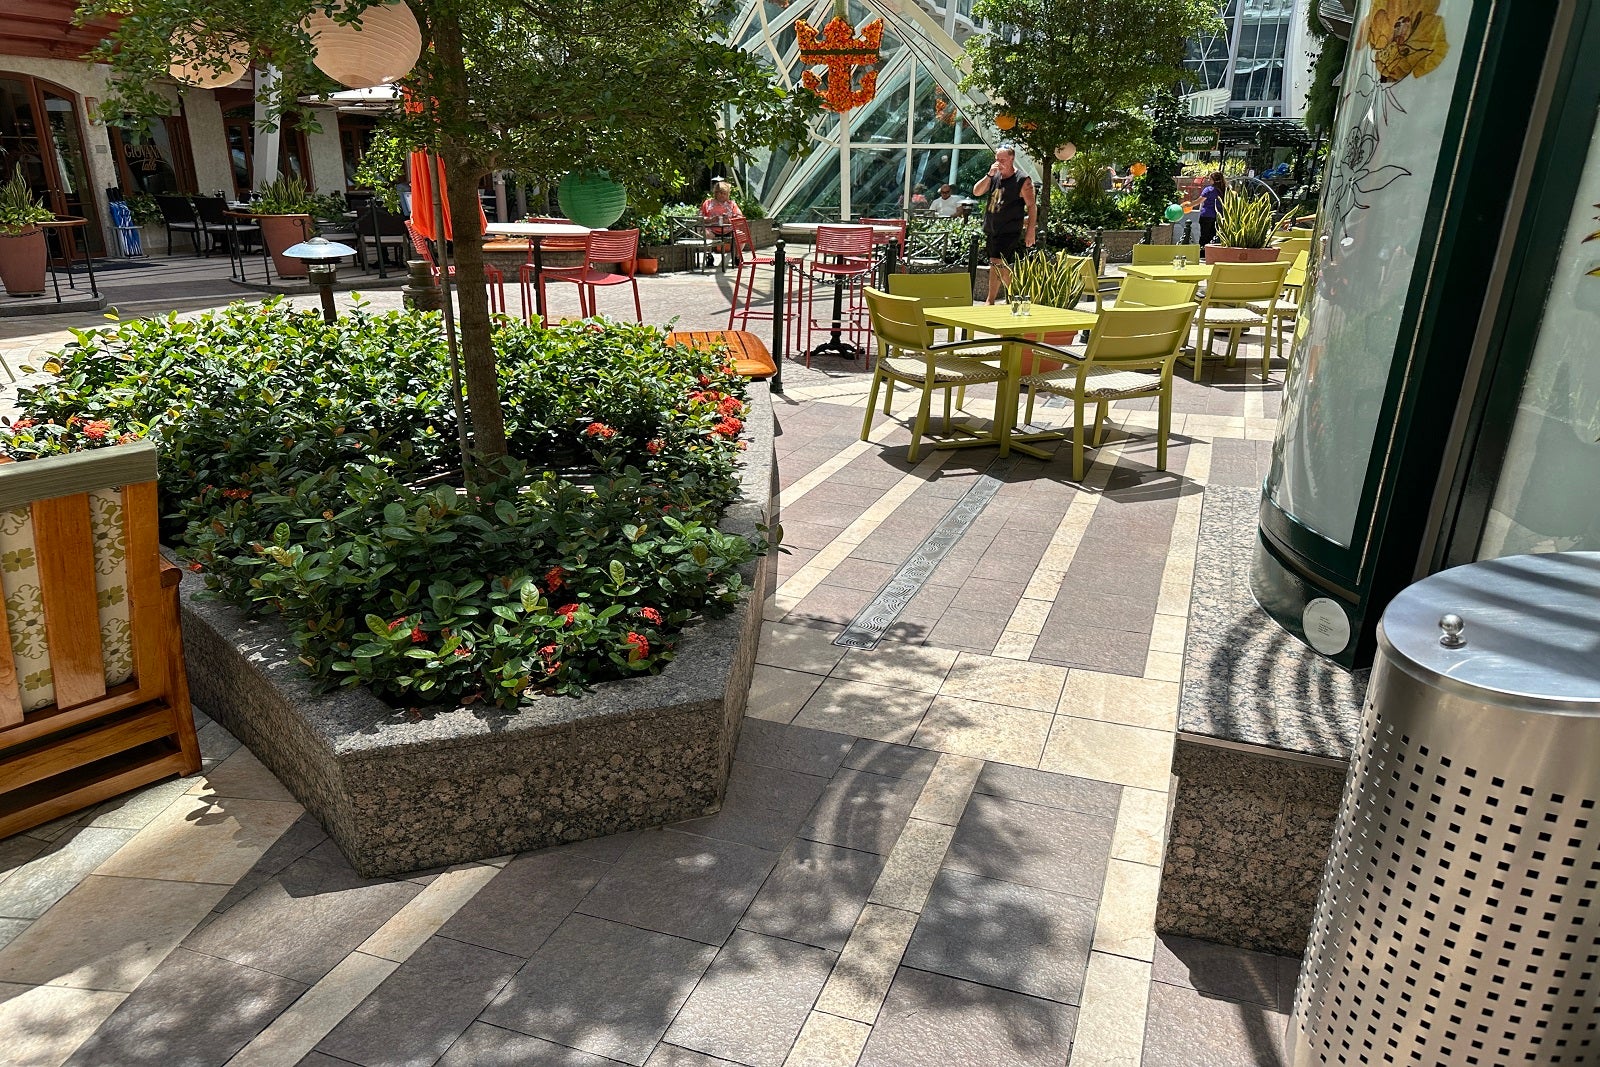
x=869, y=626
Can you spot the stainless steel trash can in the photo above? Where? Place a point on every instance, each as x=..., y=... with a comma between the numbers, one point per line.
x=1459, y=916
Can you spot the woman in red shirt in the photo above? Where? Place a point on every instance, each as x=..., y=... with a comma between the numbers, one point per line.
x=719, y=211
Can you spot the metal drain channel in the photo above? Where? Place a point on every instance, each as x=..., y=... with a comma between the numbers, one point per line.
x=870, y=624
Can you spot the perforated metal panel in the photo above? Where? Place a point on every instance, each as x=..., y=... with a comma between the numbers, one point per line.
x=1459, y=917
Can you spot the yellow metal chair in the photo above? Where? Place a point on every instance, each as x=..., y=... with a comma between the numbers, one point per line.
x=1285, y=311
x=1162, y=255
x=1239, y=297
x=941, y=291
x=1094, y=286
x=908, y=355
x=1139, y=292
x=1290, y=247
x=1130, y=354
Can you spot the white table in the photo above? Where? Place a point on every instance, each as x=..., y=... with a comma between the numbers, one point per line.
x=536, y=233
x=809, y=229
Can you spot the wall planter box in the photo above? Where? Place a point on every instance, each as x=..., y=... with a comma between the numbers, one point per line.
x=1224, y=254
x=22, y=262
x=460, y=784
x=93, y=693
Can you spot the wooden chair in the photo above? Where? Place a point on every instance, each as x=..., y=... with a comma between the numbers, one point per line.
x=749, y=354
x=908, y=355
x=1130, y=354
x=602, y=249
x=1239, y=297
x=1161, y=255
x=94, y=695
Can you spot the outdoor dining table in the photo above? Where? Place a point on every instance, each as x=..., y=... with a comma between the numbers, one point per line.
x=536, y=233
x=835, y=345
x=997, y=320
x=1166, y=272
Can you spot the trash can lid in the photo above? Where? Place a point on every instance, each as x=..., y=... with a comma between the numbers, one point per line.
x=1522, y=630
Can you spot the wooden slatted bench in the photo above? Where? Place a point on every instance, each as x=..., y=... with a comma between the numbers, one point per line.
x=750, y=355
x=94, y=699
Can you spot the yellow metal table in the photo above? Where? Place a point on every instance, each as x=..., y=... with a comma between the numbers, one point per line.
x=997, y=320
x=1166, y=272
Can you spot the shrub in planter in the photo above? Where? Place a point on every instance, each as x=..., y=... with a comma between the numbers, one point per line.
x=1244, y=229
x=293, y=460
x=22, y=244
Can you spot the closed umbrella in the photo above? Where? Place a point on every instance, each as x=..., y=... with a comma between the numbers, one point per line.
x=424, y=168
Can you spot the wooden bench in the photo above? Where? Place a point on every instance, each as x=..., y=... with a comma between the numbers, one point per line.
x=750, y=355
x=92, y=704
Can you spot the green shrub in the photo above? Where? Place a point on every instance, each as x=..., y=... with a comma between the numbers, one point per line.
x=296, y=464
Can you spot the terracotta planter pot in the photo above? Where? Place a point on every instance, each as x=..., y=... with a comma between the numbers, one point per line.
x=1224, y=254
x=22, y=262
x=1036, y=363
x=645, y=265
x=282, y=232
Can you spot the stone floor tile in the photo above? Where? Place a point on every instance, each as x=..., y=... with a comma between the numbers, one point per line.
x=1141, y=834
x=861, y=977
x=1049, y=790
x=134, y=810
x=1109, y=752
x=753, y=1001
x=1143, y=702
x=1035, y=686
x=814, y=895
x=303, y=921
x=911, y=867
x=944, y=795
x=305, y=837
x=602, y=987
x=291, y=1037
x=792, y=748
x=831, y=603
x=798, y=648
x=762, y=806
x=861, y=810
x=1004, y=935
x=970, y=630
x=420, y=1010
x=56, y=869
x=1111, y=1017
x=984, y=731
x=10, y=928
x=667, y=1055
x=200, y=840
x=898, y=666
x=108, y=933
x=16, y=851
x=422, y=916
x=931, y=1020
x=241, y=777
x=523, y=904
x=877, y=712
x=43, y=1024
x=1225, y=971
x=777, y=694
x=828, y=1041
x=1184, y=1027
x=674, y=883
x=1127, y=921
x=896, y=761
x=483, y=1045
x=1047, y=848
x=192, y=1010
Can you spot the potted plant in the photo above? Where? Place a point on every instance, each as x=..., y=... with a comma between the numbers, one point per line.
x=147, y=216
x=1244, y=230
x=22, y=246
x=655, y=236
x=1052, y=279
x=285, y=211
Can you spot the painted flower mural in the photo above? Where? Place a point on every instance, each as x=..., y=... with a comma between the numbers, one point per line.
x=1407, y=38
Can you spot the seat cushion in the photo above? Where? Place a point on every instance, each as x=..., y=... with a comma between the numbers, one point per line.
x=1284, y=308
x=953, y=369
x=1230, y=317
x=1104, y=383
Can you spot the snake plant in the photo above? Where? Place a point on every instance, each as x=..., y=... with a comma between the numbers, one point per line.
x=1053, y=279
x=1244, y=221
x=19, y=208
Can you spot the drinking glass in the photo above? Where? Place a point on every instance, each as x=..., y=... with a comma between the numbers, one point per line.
x=1027, y=305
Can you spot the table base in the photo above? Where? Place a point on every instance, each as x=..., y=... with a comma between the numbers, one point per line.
x=841, y=348
x=1018, y=442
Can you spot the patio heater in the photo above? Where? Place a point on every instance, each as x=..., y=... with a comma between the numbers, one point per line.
x=321, y=257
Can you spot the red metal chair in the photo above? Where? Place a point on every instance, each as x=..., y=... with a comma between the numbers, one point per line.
x=898, y=239
x=744, y=251
x=547, y=244
x=842, y=256
x=491, y=274
x=602, y=248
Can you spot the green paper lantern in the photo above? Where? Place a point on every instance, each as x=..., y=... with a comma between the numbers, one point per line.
x=1174, y=212
x=591, y=199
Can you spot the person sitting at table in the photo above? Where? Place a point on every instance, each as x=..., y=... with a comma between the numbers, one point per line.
x=947, y=205
x=718, y=211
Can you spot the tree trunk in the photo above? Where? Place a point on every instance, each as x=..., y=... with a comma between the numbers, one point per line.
x=461, y=177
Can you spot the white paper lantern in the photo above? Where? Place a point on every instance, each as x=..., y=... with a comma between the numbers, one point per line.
x=380, y=48
x=1066, y=151
x=203, y=74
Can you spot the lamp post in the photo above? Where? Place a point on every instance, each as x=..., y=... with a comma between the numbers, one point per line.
x=321, y=258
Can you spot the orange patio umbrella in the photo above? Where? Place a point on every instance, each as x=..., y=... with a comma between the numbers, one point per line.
x=425, y=166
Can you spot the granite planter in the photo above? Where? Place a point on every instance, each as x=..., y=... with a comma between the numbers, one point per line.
x=400, y=792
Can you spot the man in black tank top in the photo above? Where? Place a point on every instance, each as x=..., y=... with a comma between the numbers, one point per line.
x=1010, y=215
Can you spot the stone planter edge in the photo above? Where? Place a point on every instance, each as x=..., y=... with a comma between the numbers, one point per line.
x=471, y=783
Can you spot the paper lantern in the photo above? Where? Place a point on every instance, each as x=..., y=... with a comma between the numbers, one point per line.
x=379, y=48
x=591, y=199
x=1005, y=120
x=1175, y=212
x=1066, y=151
x=206, y=74
x=1138, y=170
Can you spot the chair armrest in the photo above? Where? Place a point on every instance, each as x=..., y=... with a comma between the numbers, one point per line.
x=171, y=573
x=951, y=346
x=1063, y=354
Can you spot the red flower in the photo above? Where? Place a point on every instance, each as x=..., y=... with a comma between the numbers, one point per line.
x=567, y=611
x=553, y=578
x=654, y=446
x=418, y=635
x=705, y=380
x=641, y=646
x=600, y=430
x=731, y=405
x=728, y=427
x=96, y=430
x=396, y=624
x=195, y=566
x=651, y=616
x=548, y=650
x=553, y=668
x=22, y=424
x=462, y=651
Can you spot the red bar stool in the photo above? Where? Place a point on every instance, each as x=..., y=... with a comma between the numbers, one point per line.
x=748, y=261
x=842, y=257
x=898, y=239
x=491, y=274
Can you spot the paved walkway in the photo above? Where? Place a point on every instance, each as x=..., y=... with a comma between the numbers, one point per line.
x=942, y=850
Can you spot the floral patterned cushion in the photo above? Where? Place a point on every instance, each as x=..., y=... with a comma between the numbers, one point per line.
x=19, y=579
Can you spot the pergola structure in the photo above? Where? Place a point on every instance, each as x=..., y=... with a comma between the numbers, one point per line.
x=44, y=29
